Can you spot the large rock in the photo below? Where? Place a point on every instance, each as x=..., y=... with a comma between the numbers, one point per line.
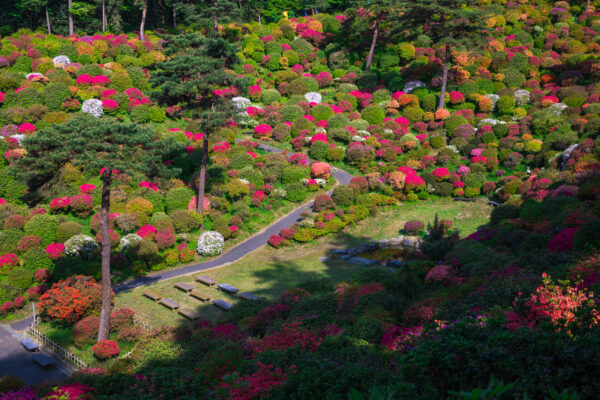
x=362, y=261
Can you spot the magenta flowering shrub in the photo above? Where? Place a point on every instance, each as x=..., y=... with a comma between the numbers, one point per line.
x=413, y=227
x=106, y=349
x=399, y=338
x=8, y=260
x=55, y=250
x=28, y=242
x=59, y=204
x=563, y=241
x=276, y=241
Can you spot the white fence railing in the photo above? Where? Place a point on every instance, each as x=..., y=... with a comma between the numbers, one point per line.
x=58, y=350
x=142, y=323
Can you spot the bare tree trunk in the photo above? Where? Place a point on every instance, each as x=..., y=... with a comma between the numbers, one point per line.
x=48, y=20
x=215, y=20
x=373, y=43
x=587, y=7
x=144, y=11
x=104, y=327
x=104, y=20
x=69, y=4
x=174, y=17
x=259, y=20
x=444, y=76
x=202, y=179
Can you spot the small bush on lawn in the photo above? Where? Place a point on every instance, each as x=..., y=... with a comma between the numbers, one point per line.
x=106, y=349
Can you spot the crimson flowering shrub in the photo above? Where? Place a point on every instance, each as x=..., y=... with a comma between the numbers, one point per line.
x=42, y=275
x=28, y=242
x=276, y=241
x=106, y=349
x=295, y=334
x=348, y=295
x=8, y=260
x=164, y=239
x=441, y=173
x=85, y=331
x=35, y=292
x=71, y=299
x=120, y=318
x=399, y=338
x=59, y=204
x=113, y=237
x=81, y=204
x=254, y=386
x=73, y=391
x=14, y=222
x=55, y=250
x=26, y=393
x=147, y=232
x=563, y=241
x=413, y=227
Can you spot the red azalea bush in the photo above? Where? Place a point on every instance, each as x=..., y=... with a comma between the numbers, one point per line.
x=295, y=334
x=8, y=260
x=254, y=386
x=276, y=241
x=14, y=222
x=585, y=272
x=55, y=250
x=441, y=173
x=106, y=349
x=59, y=204
x=121, y=318
x=86, y=331
x=263, y=130
x=28, y=242
x=164, y=239
x=563, y=240
x=349, y=295
x=73, y=391
x=27, y=128
x=413, y=227
x=113, y=236
x=71, y=299
x=147, y=232
x=42, y=275
x=82, y=204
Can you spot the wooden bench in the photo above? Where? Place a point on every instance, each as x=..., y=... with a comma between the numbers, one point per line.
x=248, y=296
x=205, y=280
x=42, y=360
x=224, y=287
x=30, y=345
x=200, y=295
x=186, y=287
x=191, y=314
x=170, y=303
x=222, y=304
x=152, y=295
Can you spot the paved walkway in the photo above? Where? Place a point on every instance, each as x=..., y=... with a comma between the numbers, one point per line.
x=237, y=252
x=16, y=361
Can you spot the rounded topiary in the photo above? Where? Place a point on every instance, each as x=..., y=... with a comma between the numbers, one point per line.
x=344, y=195
x=454, y=122
x=178, y=198
x=322, y=112
x=210, y=243
x=506, y=105
x=185, y=220
x=318, y=150
x=297, y=86
x=36, y=258
x=66, y=230
x=295, y=192
x=43, y=226
x=106, y=349
x=270, y=96
x=373, y=114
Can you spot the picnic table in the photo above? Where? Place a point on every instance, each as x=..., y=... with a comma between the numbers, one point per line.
x=224, y=287
x=170, y=303
x=42, y=360
x=186, y=287
x=205, y=280
x=188, y=313
x=200, y=295
x=152, y=295
x=248, y=296
x=30, y=345
x=222, y=304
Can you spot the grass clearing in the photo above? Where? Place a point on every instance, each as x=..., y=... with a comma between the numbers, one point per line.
x=268, y=272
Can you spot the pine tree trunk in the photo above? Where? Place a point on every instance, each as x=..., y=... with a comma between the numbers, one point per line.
x=202, y=178
x=48, y=20
x=143, y=23
x=373, y=43
x=104, y=327
x=174, y=17
x=215, y=20
x=444, y=76
x=587, y=8
x=69, y=4
x=104, y=21
x=259, y=20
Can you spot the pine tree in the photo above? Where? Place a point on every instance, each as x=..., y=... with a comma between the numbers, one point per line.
x=365, y=19
x=196, y=67
x=103, y=145
x=209, y=13
x=449, y=22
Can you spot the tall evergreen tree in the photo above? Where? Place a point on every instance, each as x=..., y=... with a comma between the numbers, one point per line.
x=365, y=20
x=449, y=22
x=210, y=13
x=103, y=145
x=196, y=67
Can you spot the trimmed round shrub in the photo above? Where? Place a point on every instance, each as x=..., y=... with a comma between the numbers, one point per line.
x=344, y=195
x=295, y=192
x=373, y=114
x=294, y=174
x=454, y=122
x=413, y=227
x=270, y=96
x=322, y=112
x=44, y=226
x=290, y=113
x=281, y=133
x=106, y=349
x=506, y=105
x=66, y=230
x=36, y=258
x=185, y=220
x=141, y=114
x=301, y=124
x=297, y=86
x=318, y=150
x=210, y=243
x=86, y=331
x=178, y=198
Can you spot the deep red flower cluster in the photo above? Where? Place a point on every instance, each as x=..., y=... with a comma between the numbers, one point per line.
x=105, y=349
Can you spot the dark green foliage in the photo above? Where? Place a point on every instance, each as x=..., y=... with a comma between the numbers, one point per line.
x=318, y=150
x=178, y=198
x=344, y=195
x=295, y=192
x=502, y=212
x=43, y=226
x=36, y=258
x=10, y=189
x=55, y=94
x=67, y=229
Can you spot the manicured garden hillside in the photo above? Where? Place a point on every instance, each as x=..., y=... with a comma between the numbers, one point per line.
x=127, y=154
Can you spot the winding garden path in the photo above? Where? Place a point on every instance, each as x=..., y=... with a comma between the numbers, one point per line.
x=237, y=252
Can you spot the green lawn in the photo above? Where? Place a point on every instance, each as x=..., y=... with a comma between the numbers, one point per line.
x=268, y=272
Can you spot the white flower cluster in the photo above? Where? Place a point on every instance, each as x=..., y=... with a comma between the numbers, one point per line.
x=241, y=103
x=358, y=139
x=93, y=106
x=128, y=241
x=307, y=223
x=493, y=98
x=412, y=85
x=244, y=181
x=490, y=121
x=278, y=193
x=210, y=243
x=453, y=148
x=33, y=74
x=521, y=97
x=320, y=129
x=313, y=97
x=80, y=246
x=60, y=61
x=557, y=108
x=320, y=182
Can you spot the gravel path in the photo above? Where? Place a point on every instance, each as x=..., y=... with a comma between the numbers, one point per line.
x=237, y=252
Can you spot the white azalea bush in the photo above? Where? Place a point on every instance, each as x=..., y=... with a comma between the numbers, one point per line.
x=210, y=243
x=128, y=241
x=80, y=246
x=61, y=61
x=313, y=97
x=93, y=106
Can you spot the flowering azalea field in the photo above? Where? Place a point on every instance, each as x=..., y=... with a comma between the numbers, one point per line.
x=514, y=302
